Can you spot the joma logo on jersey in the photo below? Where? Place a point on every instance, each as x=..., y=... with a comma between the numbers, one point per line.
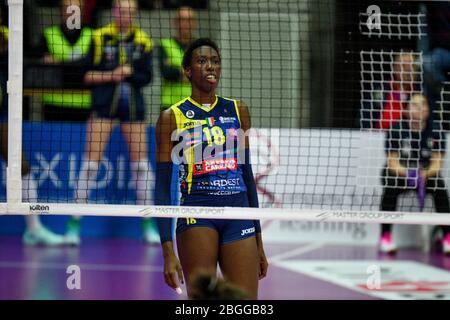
x=247, y=231
x=191, y=124
x=39, y=207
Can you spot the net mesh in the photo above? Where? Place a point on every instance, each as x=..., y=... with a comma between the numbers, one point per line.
x=392, y=25
x=317, y=77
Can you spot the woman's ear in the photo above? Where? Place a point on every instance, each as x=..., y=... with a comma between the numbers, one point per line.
x=187, y=73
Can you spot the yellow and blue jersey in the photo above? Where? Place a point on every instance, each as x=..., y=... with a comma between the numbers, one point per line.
x=210, y=145
x=109, y=50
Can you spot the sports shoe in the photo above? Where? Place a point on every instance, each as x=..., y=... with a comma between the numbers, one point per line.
x=437, y=239
x=72, y=236
x=42, y=236
x=387, y=245
x=446, y=244
x=151, y=233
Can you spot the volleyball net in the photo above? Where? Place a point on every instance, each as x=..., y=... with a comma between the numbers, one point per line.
x=325, y=81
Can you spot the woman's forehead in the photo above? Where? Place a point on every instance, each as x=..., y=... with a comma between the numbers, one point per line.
x=205, y=51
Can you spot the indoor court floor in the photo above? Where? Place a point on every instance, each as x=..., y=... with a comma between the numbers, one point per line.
x=129, y=269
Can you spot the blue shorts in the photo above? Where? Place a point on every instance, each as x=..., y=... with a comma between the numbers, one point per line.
x=123, y=112
x=3, y=115
x=228, y=230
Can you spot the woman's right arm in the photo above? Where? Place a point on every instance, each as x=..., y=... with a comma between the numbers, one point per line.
x=120, y=73
x=164, y=128
x=95, y=77
x=395, y=166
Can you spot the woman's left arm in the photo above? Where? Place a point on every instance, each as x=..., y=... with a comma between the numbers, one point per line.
x=250, y=183
x=435, y=165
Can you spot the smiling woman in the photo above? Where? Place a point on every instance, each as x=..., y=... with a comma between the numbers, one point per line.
x=211, y=179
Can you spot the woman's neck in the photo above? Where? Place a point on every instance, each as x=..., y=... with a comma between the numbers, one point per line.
x=203, y=98
x=184, y=39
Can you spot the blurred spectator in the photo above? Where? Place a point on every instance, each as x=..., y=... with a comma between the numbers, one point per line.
x=437, y=59
x=415, y=151
x=67, y=44
x=35, y=232
x=176, y=86
x=404, y=79
x=92, y=9
x=120, y=62
x=209, y=287
x=143, y=4
x=382, y=106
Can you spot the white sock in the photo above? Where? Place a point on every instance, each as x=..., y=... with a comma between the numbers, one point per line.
x=143, y=179
x=29, y=194
x=32, y=222
x=87, y=180
x=76, y=218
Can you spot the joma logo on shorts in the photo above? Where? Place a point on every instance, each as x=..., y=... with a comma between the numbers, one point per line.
x=247, y=231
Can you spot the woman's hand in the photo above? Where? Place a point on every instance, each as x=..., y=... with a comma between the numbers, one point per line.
x=48, y=59
x=263, y=264
x=172, y=268
x=121, y=73
x=424, y=175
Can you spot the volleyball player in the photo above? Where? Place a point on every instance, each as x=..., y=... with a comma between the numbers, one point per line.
x=120, y=66
x=205, y=121
x=415, y=152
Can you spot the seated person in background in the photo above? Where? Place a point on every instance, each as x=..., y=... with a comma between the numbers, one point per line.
x=67, y=44
x=382, y=106
x=415, y=151
x=402, y=85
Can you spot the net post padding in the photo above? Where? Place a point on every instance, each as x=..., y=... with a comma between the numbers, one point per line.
x=14, y=87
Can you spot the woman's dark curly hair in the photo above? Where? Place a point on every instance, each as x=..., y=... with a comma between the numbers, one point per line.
x=197, y=44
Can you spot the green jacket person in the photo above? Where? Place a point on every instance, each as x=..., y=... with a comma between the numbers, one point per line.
x=68, y=46
x=175, y=86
